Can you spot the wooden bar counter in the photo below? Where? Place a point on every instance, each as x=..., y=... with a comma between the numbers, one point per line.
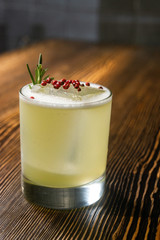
x=130, y=207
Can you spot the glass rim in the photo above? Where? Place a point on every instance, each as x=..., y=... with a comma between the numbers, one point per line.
x=67, y=105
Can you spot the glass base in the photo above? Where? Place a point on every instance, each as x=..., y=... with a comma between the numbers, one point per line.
x=64, y=198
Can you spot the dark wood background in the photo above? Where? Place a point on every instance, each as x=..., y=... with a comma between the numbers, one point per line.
x=130, y=207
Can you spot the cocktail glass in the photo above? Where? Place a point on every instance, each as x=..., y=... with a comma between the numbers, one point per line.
x=64, y=151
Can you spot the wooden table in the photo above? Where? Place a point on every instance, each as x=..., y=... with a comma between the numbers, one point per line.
x=130, y=207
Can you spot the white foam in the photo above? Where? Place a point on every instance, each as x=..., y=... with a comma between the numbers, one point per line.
x=51, y=97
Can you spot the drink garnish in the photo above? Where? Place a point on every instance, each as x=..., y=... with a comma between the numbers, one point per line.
x=39, y=72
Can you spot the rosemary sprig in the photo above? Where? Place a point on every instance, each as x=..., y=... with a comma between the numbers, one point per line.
x=32, y=78
x=39, y=72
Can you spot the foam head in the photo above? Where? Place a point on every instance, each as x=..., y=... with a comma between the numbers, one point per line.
x=49, y=96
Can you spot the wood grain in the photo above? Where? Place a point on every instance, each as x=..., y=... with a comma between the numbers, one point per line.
x=130, y=207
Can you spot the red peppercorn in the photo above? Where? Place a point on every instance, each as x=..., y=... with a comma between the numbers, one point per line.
x=79, y=89
x=87, y=84
x=43, y=83
x=32, y=97
x=48, y=80
x=54, y=82
x=57, y=85
x=66, y=85
x=63, y=80
x=77, y=82
x=100, y=87
x=76, y=85
x=82, y=85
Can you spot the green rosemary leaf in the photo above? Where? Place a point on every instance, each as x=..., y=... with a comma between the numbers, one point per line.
x=38, y=76
x=40, y=72
x=40, y=59
x=52, y=78
x=43, y=72
x=30, y=86
x=46, y=77
x=32, y=78
x=39, y=66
